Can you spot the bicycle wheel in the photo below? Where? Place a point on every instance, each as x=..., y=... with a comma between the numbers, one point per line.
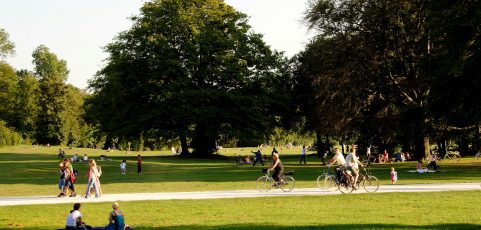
x=321, y=181
x=331, y=184
x=370, y=184
x=288, y=184
x=346, y=187
x=264, y=184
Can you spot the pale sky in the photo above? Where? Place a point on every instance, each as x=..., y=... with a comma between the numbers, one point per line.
x=76, y=30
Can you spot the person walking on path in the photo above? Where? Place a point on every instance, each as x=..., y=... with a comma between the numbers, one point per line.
x=393, y=176
x=303, y=156
x=71, y=179
x=93, y=179
x=258, y=157
x=139, y=164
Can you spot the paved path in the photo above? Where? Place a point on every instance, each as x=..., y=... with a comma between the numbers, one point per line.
x=6, y=201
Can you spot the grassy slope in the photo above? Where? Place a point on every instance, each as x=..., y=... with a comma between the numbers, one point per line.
x=27, y=172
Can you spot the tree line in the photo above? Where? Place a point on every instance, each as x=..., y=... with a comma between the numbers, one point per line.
x=382, y=72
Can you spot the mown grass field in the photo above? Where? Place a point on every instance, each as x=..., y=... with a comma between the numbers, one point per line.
x=440, y=210
x=25, y=171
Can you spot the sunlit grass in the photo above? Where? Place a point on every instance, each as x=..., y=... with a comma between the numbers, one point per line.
x=25, y=171
x=440, y=210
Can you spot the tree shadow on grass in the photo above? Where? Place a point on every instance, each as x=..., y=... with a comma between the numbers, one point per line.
x=330, y=227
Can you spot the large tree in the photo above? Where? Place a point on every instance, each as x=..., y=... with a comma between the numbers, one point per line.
x=191, y=69
x=26, y=108
x=52, y=73
x=385, y=63
x=8, y=87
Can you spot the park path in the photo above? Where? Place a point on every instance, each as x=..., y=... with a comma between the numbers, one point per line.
x=8, y=201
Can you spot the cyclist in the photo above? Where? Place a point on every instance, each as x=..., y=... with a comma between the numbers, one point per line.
x=278, y=168
x=338, y=158
x=352, y=163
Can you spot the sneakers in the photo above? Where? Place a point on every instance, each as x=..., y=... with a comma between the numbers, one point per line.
x=73, y=194
x=61, y=195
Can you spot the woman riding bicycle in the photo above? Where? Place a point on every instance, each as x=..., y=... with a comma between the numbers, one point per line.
x=278, y=168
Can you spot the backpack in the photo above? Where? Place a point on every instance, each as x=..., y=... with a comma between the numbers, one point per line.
x=73, y=179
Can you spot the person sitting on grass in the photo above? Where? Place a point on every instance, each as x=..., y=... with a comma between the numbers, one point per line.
x=116, y=219
x=74, y=219
x=75, y=157
x=278, y=174
x=384, y=157
x=419, y=167
x=433, y=165
x=247, y=160
x=61, y=154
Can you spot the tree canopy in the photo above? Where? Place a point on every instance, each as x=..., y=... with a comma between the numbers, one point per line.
x=392, y=66
x=192, y=70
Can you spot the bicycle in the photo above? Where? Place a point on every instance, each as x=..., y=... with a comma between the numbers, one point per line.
x=327, y=180
x=452, y=155
x=369, y=183
x=266, y=182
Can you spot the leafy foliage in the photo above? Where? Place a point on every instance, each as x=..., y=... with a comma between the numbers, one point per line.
x=189, y=69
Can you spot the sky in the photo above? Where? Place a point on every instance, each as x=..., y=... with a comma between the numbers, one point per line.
x=76, y=30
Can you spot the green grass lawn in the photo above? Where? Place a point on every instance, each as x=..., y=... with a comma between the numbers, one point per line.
x=25, y=171
x=440, y=210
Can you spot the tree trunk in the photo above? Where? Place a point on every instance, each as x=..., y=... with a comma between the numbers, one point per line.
x=319, y=143
x=183, y=144
x=476, y=140
x=426, y=146
x=203, y=142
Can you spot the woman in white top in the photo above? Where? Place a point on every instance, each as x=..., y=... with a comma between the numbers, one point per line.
x=93, y=179
x=74, y=218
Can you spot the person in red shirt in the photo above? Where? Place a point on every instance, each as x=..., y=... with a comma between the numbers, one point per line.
x=139, y=164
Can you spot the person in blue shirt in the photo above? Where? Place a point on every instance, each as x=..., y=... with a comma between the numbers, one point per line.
x=258, y=157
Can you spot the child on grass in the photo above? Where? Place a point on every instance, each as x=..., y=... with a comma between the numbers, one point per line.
x=123, y=167
x=393, y=176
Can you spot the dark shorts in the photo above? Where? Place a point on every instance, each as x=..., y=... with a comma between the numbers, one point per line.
x=278, y=174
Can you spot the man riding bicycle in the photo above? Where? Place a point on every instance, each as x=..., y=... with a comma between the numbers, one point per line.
x=278, y=168
x=352, y=163
x=338, y=158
